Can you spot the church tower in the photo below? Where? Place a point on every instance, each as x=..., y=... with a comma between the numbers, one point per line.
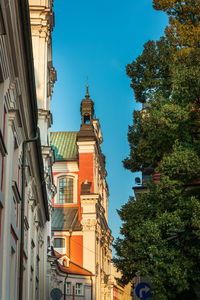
x=87, y=109
x=80, y=215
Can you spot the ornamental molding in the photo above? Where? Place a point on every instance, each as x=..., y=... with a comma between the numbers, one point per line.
x=52, y=79
x=14, y=117
x=86, y=147
x=88, y=202
x=88, y=224
x=48, y=153
x=45, y=114
x=15, y=122
x=90, y=199
x=42, y=31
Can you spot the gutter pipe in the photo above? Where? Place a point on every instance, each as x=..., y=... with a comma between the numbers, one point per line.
x=21, y=269
x=91, y=287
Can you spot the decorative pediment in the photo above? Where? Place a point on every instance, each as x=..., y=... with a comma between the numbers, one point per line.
x=64, y=261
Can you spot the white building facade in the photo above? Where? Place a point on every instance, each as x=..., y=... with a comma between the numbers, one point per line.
x=26, y=185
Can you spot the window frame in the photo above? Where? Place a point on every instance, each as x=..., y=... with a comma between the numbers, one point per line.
x=80, y=288
x=57, y=177
x=68, y=288
x=63, y=195
x=59, y=238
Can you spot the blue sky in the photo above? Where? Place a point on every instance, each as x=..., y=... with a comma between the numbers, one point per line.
x=98, y=39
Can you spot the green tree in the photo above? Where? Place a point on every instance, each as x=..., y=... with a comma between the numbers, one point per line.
x=161, y=228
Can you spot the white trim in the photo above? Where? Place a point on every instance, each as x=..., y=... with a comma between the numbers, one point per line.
x=86, y=147
x=65, y=166
x=66, y=233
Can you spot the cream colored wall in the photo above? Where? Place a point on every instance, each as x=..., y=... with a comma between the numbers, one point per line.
x=14, y=94
x=124, y=292
x=97, y=237
x=42, y=23
x=58, y=279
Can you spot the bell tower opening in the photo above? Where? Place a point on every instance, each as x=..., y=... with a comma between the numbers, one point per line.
x=86, y=119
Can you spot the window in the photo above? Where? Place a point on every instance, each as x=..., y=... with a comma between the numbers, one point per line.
x=66, y=190
x=86, y=119
x=59, y=243
x=68, y=288
x=79, y=289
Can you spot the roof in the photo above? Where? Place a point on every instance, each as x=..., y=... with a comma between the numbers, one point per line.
x=64, y=145
x=65, y=218
x=73, y=268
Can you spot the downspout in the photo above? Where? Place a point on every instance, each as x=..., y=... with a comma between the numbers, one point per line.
x=91, y=287
x=21, y=266
x=70, y=232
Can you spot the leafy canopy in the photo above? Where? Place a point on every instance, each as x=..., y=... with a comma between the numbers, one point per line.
x=161, y=227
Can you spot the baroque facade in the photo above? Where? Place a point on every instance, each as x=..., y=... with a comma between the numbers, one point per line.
x=80, y=208
x=80, y=230
x=26, y=186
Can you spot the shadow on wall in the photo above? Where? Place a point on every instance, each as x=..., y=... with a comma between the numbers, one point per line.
x=57, y=156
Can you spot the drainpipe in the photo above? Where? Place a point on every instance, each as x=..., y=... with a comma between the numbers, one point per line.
x=70, y=234
x=21, y=267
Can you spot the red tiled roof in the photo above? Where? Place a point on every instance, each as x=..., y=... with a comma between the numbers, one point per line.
x=74, y=269
x=56, y=253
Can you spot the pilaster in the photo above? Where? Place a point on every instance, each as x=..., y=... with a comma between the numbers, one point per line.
x=89, y=222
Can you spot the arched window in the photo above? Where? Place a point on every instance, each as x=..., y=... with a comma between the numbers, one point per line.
x=86, y=119
x=66, y=190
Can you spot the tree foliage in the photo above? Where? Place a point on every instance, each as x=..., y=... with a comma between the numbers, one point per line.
x=161, y=228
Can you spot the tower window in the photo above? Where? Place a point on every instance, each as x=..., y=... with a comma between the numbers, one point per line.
x=86, y=119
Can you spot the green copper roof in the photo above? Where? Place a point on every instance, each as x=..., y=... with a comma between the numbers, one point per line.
x=65, y=218
x=64, y=145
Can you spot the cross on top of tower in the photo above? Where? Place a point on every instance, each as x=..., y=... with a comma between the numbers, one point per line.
x=87, y=96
